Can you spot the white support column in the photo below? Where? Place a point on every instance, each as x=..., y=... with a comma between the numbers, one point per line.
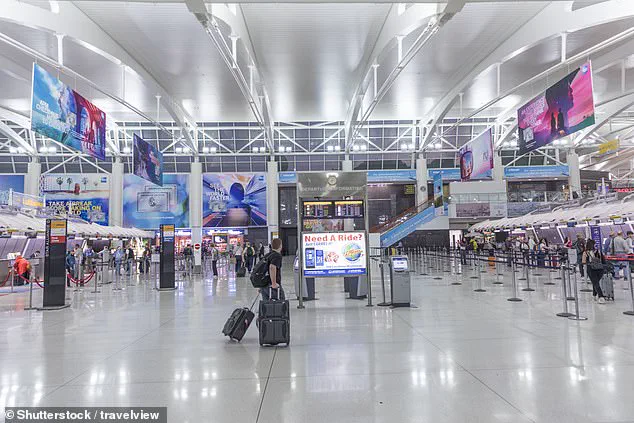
x=498, y=168
x=272, y=199
x=421, y=179
x=574, y=180
x=32, y=178
x=196, y=209
x=346, y=164
x=116, y=193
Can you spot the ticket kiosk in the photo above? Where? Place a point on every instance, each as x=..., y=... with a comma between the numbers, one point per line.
x=400, y=286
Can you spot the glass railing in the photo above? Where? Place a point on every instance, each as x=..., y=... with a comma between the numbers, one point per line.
x=401, y=218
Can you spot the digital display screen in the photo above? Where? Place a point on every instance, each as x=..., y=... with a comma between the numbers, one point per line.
x=349, y=209
x=318, y=209
x=400, y=264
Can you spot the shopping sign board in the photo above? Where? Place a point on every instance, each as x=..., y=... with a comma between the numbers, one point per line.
x=334, y=254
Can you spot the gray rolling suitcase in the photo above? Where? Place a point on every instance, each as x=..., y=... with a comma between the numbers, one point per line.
x=607, y=286
x=274, y=321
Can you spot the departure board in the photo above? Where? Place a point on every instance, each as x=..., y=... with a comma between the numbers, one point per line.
x=349, y=209
x=318, y=209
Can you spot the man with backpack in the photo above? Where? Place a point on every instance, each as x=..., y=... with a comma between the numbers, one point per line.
x=249, y=255
x=267, y=274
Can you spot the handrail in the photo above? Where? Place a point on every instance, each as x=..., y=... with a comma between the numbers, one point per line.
x=404, y=216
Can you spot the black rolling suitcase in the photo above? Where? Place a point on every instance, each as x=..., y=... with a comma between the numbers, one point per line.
x=274, y=321
x=238, y=323
x=242, y=271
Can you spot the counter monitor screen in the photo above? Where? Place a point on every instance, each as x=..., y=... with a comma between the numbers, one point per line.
x=399, y=264
x=318, y=209
x=349, y=209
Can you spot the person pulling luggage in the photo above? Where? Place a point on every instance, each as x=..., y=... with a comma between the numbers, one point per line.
x=274, y=259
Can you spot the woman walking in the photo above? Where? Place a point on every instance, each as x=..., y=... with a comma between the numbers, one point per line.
x=595, y=266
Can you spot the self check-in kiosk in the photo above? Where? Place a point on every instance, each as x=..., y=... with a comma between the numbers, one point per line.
x=400, y=286
x=308, y=290
x=333, y=232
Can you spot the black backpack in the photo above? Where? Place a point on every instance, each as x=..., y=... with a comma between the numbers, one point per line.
x=260, y=275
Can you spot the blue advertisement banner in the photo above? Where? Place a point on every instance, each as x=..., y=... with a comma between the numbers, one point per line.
x=147, y=206
x=62, y=114
x=234, y=199
x=448, y=174
x=86, y=196
x=404, y=175
x=287, y=177
x=476, y=157
x=399, y=232
x=147, y=161
x=334, y=272
x=512, y=172
x=14, y=182
x=439, y=201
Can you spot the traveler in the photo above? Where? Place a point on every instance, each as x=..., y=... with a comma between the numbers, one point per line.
x=595, y=262
x=532, y=247
x=275, y=270
x=22, y=269
x=620, y=248
x=146, y=260
x=70, y=265
x=608, y=244
x=188, y=255
x=130, y=261
x=118, y=260
x=214, y=259
x=525, y=252
x=462, y=245
x=249, y=256
x=88, y=258
x=260, y=251
x=567, y=243
x=239, y=251
x=79, y=259
x=630, y=241
x=580, y=246
x=542, y=250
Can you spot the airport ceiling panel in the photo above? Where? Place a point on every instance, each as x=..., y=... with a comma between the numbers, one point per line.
x=309, y=54
x=172, y=45
x=583, y=39
x=463, y=42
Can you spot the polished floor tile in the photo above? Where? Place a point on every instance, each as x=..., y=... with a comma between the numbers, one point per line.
x=458, y=356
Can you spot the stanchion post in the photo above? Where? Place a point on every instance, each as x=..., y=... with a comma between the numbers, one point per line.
x=528, y=280
x=11, y=277
x=98, y=276
x=629, y=278
x=576, y=297
x=479, y=288
x=30, y=307
x=514, y=298
x=117, y=277
x=497, y=271
x=382, y=268
x=564, y=294
x=571, y=268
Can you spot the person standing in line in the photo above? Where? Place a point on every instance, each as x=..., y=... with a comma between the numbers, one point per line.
x=630, y=241
x=532, y=246
x=275, y=270
x=70, y=265
x=214, y=260
x=462, y=245
x=595, y=261
x=608, y=244
x=239, y=252
x=580, y=246
x=260, y=251
x=131, y=261
x=621, y=249
x=118, y=257
x=78, y=261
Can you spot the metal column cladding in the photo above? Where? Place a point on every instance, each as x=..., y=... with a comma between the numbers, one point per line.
x=54, y=264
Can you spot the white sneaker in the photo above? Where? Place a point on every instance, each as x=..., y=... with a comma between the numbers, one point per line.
x=601, y=300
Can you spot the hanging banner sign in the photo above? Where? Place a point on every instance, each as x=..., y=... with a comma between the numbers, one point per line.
x=334, y=254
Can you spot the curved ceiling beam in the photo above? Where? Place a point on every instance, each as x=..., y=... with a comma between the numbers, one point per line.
x=73, y=23
x=611, y=108
x=552, y=21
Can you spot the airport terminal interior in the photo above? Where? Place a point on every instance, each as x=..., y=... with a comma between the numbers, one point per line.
x=317, y=211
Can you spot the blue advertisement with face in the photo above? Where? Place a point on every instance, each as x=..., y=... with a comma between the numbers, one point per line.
x=234, y=200
x=147, y=206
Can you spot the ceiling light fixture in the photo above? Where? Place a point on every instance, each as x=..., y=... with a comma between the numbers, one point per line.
x=337, y=148
x=52, y=149
x=205, y=149
x=13, y=150
x=364, y=147
x=213, y=149
x=126, y=150
x=330, y=148
x=289, y=149
x=355, y=148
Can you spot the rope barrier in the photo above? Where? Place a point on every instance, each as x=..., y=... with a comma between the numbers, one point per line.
x=81, y=281
x=31, y=280
x=6, y=279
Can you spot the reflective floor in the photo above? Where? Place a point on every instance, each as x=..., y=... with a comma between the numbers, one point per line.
x=460, y=356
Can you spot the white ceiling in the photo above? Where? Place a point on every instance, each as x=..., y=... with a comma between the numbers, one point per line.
x=309, y=57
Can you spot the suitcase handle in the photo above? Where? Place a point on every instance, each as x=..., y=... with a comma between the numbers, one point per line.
x=271, y=292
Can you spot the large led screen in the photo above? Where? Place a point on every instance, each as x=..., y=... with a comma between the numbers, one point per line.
x=334, y=254
x=563, y=109
x=147, y=161
x=234, y=199
x=62, y=114
x=476, y=157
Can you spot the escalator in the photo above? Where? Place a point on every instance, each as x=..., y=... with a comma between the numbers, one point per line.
x=405, y=223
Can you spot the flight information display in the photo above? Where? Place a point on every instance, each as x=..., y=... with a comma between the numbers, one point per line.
x=318, y=209
x=349, y=209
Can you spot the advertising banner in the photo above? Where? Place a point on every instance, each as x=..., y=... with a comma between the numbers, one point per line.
x=563, y=109
x=518, y=172
x=403, y=175
x=609, y=147
x=147, y=161
x=595, y=234
x=473, y=210
x=334, y=254
x=476, y=157
x=147, y=206
x=63, y=115
x=86, y=196
x=234, y=199
x=439, y=204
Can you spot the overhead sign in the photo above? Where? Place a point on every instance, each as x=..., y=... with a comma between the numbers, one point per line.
x=402, y=175
x=609, y=147
x=448, y=174
x=332, y=184
x=334, y=254
x=563, y=109
x=439, y=203
x=518, y=172
x=62, y=114
x=147, y=161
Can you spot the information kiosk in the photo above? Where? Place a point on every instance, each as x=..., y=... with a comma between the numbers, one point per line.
x=333, y=231
x=400, y=286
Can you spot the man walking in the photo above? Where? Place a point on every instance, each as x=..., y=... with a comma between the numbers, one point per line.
x=214, y=260
x=275, y=270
